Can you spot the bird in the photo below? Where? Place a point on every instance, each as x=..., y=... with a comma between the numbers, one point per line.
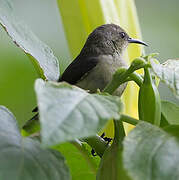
x=101, y=55
x=98, y=60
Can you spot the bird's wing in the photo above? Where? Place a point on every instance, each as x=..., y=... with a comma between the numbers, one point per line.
x=78, y=69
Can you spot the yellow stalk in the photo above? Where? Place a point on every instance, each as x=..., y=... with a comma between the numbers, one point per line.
x=129, y=21
x=80, y=17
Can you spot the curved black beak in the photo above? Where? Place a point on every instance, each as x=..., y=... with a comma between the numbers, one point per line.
x=130, y=40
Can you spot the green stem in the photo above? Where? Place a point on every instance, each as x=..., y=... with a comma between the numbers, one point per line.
x=129, y=119
x=97, y=143
x=119, y=78
x=136, y=78
x=85, y=154
x=119, y=131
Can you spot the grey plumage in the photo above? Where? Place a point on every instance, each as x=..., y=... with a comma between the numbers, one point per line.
x=98, y=60
x=100, y=57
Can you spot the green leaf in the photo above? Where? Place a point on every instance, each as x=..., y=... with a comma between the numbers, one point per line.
x=24, y=158
x=78, y=162
x=163, y=121
x=173, y=130
x=39, y=53
x=151, y=153
x=168, y=72
x=68, y=112
x=171, y=112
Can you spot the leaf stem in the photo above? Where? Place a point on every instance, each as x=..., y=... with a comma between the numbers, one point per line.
x=118, y=79
x=129, y=119
x=121, y=75
x=136, y=78
x=119, y=131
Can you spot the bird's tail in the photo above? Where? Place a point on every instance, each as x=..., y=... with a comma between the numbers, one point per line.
x=32, y=125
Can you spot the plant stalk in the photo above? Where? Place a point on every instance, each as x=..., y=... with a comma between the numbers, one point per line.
x=129, y=119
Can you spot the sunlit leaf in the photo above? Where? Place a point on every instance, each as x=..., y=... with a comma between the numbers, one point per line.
x=39, y=53
x=171, y=112
x=168, y=72
x=151, y=153
x=68, y=112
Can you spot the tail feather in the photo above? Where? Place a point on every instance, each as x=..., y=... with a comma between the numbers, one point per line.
x=30, y=124
x=35, y=109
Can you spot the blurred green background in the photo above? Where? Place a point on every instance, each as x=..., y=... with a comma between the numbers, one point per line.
x=160, y=29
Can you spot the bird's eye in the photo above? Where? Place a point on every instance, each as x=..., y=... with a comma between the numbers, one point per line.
x=122, y=34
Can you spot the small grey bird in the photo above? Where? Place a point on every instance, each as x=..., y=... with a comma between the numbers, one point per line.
x=98, y=60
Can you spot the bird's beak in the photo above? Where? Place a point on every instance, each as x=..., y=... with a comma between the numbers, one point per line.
x=130, y=40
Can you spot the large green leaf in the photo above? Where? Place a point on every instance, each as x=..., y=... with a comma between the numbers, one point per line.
x=39, y=53
x=171, y=112
x=82, y=164
x=168, y=72
x=151, y=153
x=24, y=158
x=68, y=112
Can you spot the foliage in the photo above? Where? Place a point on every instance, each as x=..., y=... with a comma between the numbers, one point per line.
x=68, y=113
x=74, y=116
x=151, y=153
x=25, y=158
x=39, y=53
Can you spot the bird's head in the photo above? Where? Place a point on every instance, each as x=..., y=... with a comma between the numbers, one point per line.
x=110, y=38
